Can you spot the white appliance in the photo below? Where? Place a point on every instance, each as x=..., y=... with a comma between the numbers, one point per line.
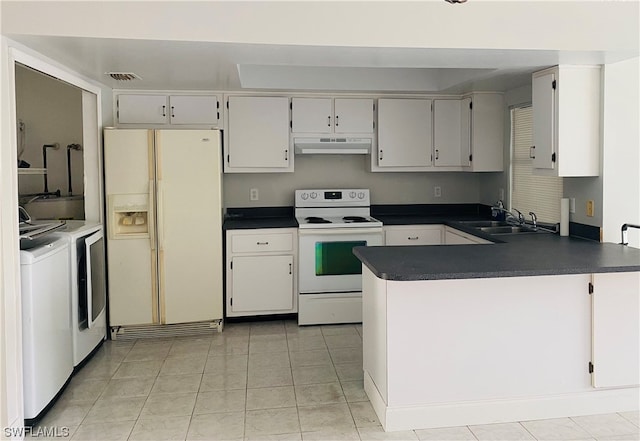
x=47, y=349
x=88, y=286
x=331, y=223
x=164, y=228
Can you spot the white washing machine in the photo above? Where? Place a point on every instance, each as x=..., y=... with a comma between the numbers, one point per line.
x=46, y=322
x=88, y=286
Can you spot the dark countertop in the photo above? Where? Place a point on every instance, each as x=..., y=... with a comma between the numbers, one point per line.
x=515, y=256
x=255, y=218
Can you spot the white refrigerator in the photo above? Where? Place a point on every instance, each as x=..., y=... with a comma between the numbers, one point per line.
x=164, y=226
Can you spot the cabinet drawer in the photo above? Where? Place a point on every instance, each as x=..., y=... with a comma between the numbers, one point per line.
x=417, y=236
x=251, y=243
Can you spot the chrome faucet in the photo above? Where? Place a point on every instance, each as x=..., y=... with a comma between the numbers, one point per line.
x=520, y=216
x=534, y=220
x=624, y=232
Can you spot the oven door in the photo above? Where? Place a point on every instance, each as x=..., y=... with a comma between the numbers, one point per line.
x=327, y=263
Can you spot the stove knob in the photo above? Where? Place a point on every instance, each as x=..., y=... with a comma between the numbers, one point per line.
x=352, y=194
x=314, y=195
x=304, y=196
x=361, y=195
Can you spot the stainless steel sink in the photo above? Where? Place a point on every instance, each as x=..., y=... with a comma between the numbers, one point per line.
x=506, y=230
x=478, y=224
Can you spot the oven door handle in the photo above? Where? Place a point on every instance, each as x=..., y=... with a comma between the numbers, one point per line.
x=338, y=231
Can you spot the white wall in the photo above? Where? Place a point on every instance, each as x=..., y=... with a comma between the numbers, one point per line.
x=11, y=413
x=621, y=155
x=349, y=171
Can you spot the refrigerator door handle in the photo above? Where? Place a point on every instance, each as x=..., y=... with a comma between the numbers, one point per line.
x=160, y=214
x=151, y=216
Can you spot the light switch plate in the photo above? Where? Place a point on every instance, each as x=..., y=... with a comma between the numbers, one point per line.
x=253, y=194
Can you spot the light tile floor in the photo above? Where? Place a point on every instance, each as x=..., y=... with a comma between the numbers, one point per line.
x=262, y=381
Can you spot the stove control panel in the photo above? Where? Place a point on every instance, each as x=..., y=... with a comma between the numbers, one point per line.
x=332, y=198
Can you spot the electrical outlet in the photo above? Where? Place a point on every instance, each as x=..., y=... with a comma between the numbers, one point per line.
x=590, y=208
x=572, y=205
x=253, y=194
x=437, y=191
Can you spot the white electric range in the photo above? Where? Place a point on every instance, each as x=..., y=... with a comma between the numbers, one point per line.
x=332, y=222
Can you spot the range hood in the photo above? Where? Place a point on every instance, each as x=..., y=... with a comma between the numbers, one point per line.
x=332, y=145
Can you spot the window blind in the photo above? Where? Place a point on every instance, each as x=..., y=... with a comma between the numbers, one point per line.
x=540, y=194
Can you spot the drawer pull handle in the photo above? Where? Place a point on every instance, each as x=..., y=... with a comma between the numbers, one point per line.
x=262, y=243
x=290, y=269
x=413, y=238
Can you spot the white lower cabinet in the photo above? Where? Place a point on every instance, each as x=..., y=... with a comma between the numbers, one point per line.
x=615, y=306
x=397, y=235
x=457, y=237
x=261, y=272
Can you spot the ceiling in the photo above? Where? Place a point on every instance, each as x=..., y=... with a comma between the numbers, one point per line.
x=195, y=65
x=376, y=46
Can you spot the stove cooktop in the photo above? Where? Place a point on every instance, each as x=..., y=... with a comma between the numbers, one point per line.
x=337, y=222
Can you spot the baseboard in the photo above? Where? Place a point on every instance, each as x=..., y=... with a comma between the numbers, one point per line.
x=500, y=411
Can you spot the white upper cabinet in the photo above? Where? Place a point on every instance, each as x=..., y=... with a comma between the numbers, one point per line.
x=566, y=121
x=482, y=135
x=312, y=115
x=404, y=135
x=353, y=115
x=192, y=110
x=329, y=115
x=447, y=133
x=257, y=135
x=142, y=109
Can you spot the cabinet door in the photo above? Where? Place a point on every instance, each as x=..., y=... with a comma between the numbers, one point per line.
x=142, y=109
x=188, y=173
x=353, y=115
x=258, y=133
x=487, y=133
x=466, y=124
x=194, y=109
x=404, y=132
x=311, y=115
x=616, y=320
x=446, y=133
x=262, y=284
x=544, y=117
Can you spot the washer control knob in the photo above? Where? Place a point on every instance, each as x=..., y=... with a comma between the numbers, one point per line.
x=314, y=195
x=352, y=194
x=361, y=195
x=304, y=196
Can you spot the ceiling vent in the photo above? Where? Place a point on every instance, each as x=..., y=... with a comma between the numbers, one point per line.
x=123, y=76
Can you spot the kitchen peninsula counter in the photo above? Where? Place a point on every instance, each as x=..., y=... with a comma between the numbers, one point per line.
x=527, y=254
x=535, y=327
